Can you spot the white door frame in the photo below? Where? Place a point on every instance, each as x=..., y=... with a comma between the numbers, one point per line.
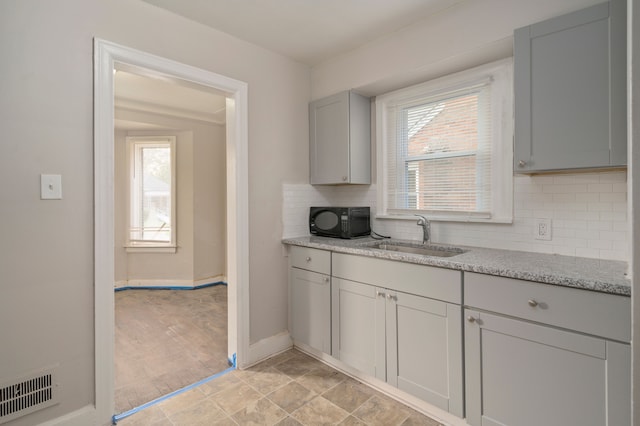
x=106, y=56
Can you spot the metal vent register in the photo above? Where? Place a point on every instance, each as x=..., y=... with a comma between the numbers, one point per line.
x=27, y=394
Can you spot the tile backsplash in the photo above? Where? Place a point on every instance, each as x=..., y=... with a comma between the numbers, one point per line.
x=588, y=213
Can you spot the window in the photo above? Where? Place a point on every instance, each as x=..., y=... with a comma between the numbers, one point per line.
x=152, y=198
x=446, y=147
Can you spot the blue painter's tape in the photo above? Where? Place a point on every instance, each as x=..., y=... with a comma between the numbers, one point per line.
x=171, y=287
x=233, y=361
x=116, y=418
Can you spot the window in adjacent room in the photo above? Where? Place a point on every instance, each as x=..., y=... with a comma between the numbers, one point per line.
x=446, y=147
x=152, y=201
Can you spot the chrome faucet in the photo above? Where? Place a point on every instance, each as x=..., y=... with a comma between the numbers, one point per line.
x=426, y=228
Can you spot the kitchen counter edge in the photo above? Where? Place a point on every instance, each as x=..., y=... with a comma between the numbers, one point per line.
x=606, y=276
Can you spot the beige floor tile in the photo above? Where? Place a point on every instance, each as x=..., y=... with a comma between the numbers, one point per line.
x=148, y=416
x=181, y=402
x=204, y=413
x=299, y=365
x=319, y=411
x=288, y=421
x=291, y=396
x=321, y=379
x=380, y=410
x=166, y=340
x=352, y=421
x=349, y=395
x=262, y=412
x=417, y=419
x=236, y=397
x=220, y=383
x=265, y=380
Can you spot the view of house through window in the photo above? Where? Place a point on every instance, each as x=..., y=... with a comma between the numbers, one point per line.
x=446, y=146
x=444, y=161
x=152, y=214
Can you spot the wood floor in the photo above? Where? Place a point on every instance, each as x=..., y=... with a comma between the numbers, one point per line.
x=290, y=389
x=166, y=340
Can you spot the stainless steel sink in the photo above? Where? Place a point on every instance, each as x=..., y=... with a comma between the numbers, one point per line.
x=425, y=250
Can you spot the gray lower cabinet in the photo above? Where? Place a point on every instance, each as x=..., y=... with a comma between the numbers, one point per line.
x=310, y=297
x=525, y=374
x=538, y=354
x=570, y=91
x=410, y=341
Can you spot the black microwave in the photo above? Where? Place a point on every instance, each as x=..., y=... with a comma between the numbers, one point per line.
x=339, y=222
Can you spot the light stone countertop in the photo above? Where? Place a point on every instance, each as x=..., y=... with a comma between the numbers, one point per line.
x=607, y=276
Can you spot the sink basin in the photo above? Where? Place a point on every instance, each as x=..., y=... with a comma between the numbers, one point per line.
x=425, y=250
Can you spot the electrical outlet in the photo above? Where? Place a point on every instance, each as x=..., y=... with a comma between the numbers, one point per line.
x=542, y=229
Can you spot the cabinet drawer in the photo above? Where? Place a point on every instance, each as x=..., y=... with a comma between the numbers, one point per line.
x=310, y=259
x=600, y=314
x=427, y=281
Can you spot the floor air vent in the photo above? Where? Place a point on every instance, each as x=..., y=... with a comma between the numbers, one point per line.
x=27, y=394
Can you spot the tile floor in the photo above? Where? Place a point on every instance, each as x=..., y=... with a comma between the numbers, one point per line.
x=289, y=389
x=166, y=340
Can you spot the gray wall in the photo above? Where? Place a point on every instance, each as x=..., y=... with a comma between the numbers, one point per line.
x=46, y=117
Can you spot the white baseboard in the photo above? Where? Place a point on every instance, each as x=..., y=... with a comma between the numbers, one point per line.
x=82, y=417
x=210, y=280
x=417, y=404
x=268, y=347
x=169, y=283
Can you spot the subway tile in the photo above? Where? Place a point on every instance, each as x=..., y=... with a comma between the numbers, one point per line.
x=613, y=197
x=612, y=177
x=588, y=252
x=600, y=187
x=600, y=244
x=613, y=235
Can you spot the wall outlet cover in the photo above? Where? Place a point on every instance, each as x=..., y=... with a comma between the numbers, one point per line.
x=542, y=229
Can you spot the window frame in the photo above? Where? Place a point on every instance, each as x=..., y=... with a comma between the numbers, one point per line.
x=499, y=75
x=134, y=143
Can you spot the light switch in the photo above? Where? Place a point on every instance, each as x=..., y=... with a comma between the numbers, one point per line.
x=50, y=187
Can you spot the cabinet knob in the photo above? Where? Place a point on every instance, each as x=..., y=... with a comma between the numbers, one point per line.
x=308, y=259
x=532, y=303
x=379, y=293
x=391, y=297
x=325, y=279
x=522, y=163
x=471, y=319
x=344, y=178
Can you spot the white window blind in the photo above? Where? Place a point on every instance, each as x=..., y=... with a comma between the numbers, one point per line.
x=446, y=147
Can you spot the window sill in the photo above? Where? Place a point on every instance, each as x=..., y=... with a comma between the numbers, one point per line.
x=151, y=249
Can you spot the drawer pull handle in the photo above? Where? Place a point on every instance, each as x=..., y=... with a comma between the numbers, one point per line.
x=308, y=259
x=532, y=303
x=471, y=319
x=379, y=293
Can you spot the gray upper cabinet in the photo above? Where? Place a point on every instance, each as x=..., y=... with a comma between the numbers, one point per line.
x=340, y=140
x=570, y=91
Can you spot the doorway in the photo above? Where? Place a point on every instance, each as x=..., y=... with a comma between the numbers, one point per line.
x=108, y=56
x=170, y=244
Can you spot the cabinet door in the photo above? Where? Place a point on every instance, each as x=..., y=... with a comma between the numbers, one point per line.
x=329, y=139
x=424, y=349
x=311, y=309
x=358, y=317
x=570, y=91
x=523, y=374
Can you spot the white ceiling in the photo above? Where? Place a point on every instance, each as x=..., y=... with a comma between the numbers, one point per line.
x=156, y=94
x=309, y=31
